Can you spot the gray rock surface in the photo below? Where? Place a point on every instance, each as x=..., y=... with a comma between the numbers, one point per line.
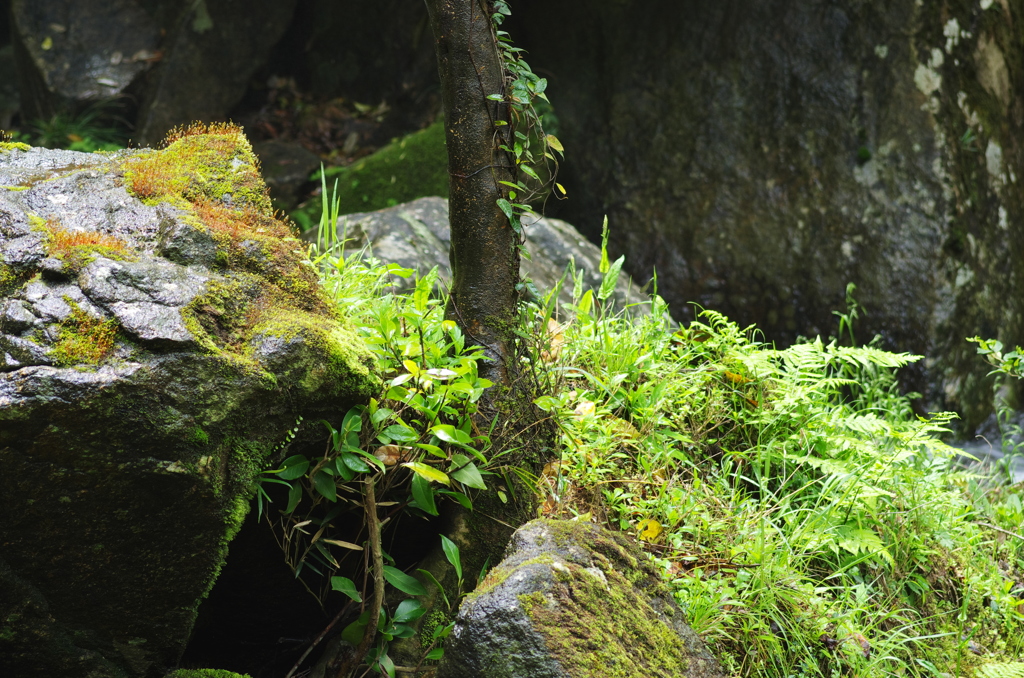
x=572, y=600
x=149, y=364
x=763, y=154
x=415, y=235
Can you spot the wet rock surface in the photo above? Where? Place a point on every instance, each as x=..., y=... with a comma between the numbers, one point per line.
x=415, y=235
x=149, y=365
x=762, y=155
x=572, y=599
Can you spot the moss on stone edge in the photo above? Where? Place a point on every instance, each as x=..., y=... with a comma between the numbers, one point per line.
x=412, y=167
x=206, y=673
x=587, y=640
x=83, y=339
x=212, y=175
x=6, y=146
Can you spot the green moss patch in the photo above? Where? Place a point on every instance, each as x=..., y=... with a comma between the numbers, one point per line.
x=594, y=628
x=84, y=339
x=412, y=167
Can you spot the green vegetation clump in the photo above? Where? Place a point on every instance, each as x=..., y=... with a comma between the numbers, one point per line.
x=206, y=673
x=807, y=520
x=6, y=146
x=78, y=248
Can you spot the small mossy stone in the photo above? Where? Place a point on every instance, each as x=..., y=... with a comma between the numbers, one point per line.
x=206, y=673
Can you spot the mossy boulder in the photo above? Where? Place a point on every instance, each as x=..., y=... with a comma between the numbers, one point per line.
x=408, y=168
x=161, y=333
x=573, y=600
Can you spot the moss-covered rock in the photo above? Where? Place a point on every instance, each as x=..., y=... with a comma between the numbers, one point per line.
x=142, y=390
x=573, y=600
x=411, y=167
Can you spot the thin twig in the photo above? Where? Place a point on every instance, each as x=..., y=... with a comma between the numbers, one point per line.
x=317, y=640
x=999, y=529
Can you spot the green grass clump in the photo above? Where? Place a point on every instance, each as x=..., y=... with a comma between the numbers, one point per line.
x=809, y=523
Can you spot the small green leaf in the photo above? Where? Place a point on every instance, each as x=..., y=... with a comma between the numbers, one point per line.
x=603, y=267
x=294, y=496
x=346, y=586
x=451, y=552
x=435, y=654
x=554, y=143
x=506, y=207
x=403, y=582
x=427, y=471
x=611, y=278
x=527, y=170
x=423, y=494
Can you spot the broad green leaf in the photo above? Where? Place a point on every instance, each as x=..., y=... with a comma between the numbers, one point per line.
x=459, y=497
x=468, y=474
x=423, y=494
x=355, y=463
x=353, y=633
x=324, y=484
x=408, y=610
x=401, y=433
x=451, y=552
x=294, y=467
x=428, y=472
x=435, y=654
x=403, y=582
x=346, y=586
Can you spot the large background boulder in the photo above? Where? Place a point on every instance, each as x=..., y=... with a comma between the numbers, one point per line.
x=762, y=155
x=160, y=336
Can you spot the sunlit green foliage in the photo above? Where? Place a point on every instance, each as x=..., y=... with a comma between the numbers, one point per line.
x=810, y=523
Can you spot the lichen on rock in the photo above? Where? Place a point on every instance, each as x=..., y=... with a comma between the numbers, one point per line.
x=160, y=334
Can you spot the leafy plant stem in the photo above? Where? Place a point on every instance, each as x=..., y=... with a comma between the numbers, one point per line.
x=377, y=558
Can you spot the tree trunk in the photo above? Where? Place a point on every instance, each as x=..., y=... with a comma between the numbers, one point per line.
x=483, y=255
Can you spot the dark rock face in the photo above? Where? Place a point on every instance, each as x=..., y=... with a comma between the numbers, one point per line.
x=416, y=236
x=572, y=600
x=73, y=52
x=761, y=155
x=211, y=50
x=153, y=353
